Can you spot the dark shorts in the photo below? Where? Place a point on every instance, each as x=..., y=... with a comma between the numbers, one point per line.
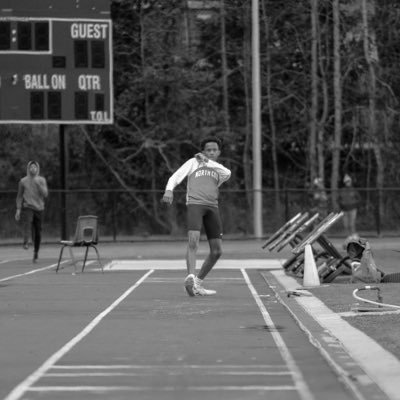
x=199, y=215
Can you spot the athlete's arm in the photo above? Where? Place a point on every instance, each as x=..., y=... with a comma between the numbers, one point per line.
x=223, y=172
x=201, y=158
x=42, y=185
x=177, y=177
x=180, y=174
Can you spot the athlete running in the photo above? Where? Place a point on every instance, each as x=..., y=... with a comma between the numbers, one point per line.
x=205, y=176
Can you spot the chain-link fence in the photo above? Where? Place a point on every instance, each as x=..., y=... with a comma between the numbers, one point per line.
x=137, y=214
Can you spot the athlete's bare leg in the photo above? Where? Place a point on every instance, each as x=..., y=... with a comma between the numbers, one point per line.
x=212, y=258
x=191, y=253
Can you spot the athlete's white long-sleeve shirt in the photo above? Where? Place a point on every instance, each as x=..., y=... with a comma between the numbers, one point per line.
x=203, y=182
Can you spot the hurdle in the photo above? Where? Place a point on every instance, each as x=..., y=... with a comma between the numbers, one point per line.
x=335, y=264
x=281, y=230
x=297, y=223
x=295, y=237
x=318, y=231
x=295, y=261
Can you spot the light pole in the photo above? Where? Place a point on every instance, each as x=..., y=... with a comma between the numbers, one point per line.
x=256, y=118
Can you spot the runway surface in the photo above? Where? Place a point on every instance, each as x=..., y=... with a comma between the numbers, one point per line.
x=133, y=333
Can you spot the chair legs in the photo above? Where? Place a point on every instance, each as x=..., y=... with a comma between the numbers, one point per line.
x=61, y=254
x=59, y=258
x=85, y=259
x=98, y=257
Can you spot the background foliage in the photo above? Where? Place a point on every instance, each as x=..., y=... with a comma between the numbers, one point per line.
x=181, y=73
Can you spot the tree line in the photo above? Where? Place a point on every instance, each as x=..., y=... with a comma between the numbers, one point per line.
x=330, y=99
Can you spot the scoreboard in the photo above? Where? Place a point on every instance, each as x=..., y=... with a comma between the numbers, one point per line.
x=56, y=62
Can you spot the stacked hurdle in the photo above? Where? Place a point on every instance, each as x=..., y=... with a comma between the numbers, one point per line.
x=281, y=230
x=291, y=234
x=295, y=263
x=290, y=230
x=301, y=231
x=333, y=263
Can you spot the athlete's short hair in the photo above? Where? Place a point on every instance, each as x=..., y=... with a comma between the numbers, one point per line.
x=211, y=139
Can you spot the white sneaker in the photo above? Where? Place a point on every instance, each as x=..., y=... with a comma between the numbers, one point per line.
x=190, y=284
x=198, y=289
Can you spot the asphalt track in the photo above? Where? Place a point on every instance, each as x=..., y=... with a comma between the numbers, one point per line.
x=132, y=332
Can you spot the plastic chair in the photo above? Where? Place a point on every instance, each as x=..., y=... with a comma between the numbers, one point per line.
x=86, y=235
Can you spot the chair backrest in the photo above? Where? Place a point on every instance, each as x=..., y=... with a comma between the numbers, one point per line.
x=87, y=229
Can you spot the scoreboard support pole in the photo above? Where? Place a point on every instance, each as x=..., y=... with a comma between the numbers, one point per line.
x=63, y=181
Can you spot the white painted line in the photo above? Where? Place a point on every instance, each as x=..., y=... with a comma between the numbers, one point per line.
x=169, y=366
x=26, y=384
x=179, y=280
x=30, y=272
x=127, y=265
x=94, y=374
x=300, y=383
x=106, y=389
x=169, y=373
x=379, y=364
x=15, y=259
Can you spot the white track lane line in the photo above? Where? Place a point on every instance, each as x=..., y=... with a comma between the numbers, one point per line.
x=168, y=367
x=26, y=385
x=108, y=389
x=33, y=271
x=14, y=259
x=300, y=383
x=146, y=264
x=173, y=373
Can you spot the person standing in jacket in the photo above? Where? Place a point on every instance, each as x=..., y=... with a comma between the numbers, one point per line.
x=204, y=177
x=32, y=192
x=349, y=201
